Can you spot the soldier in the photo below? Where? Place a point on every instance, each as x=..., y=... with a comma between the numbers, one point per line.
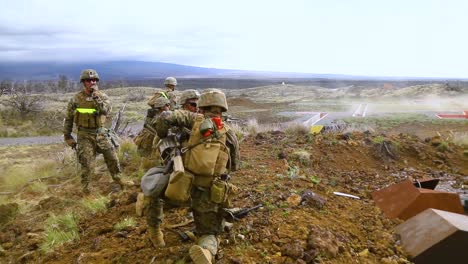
x=154, y=211
x=170, y=83
x=144, y=139
x=89, y=109
x=208, y=157
x=189, y=100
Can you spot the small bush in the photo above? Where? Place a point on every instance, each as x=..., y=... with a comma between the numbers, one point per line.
x=296, y=129
x=378, y=139
x=302, y=156
x=126, y=222
x=128, y=155
x=38, y=187
x=460, y=138
x=96, y=205
x=252, y=127
x=443, y=146
x=59, y=230
x=135, y=97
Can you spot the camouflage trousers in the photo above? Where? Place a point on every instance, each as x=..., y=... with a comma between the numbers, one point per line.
x=207, y=215
x=89, y=144
x=155, y=209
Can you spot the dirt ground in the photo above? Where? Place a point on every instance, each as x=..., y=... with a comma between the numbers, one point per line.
x=301, y=220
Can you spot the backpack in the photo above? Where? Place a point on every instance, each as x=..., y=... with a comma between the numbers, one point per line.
x=207, y=153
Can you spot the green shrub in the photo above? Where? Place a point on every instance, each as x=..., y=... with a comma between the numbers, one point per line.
x=96, y=205
x=126, y=222
x=59, y=230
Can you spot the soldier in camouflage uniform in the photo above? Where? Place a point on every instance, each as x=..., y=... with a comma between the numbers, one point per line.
x=88, y=110
x=209, y=156
x=154, y=211
x=144, y=140
x=170, y=83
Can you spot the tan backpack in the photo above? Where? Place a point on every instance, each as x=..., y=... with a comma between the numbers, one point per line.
x=206, y=155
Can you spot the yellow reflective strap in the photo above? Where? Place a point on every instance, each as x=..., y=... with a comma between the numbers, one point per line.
x=164, y=95
x=86, y=110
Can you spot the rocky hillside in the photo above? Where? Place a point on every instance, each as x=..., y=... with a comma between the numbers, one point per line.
x=293, y=175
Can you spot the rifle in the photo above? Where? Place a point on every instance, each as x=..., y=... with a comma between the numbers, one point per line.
x=170, y=150
x=235, y=214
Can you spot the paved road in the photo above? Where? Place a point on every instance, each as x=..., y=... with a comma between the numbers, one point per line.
x=30, y=140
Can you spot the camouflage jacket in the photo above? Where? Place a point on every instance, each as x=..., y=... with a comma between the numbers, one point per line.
x=184, y=118
x=168, y=94
x=86, y=111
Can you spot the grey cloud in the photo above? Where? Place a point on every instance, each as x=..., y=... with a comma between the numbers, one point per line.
x=16, y=31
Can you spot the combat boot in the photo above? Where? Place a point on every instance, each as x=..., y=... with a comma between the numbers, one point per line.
x=156, y=236
x=205, y=250
x=141, y=204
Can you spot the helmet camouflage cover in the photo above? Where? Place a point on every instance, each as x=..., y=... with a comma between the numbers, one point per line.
x=89, y=74
x=189, y=94
x=171, y=81
x=161, y=102
x=213, y=97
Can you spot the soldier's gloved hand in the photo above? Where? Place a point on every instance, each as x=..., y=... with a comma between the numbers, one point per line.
x=70, y=141
x=166, y=114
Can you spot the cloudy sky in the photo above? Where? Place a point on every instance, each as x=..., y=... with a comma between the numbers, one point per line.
x=421, y=38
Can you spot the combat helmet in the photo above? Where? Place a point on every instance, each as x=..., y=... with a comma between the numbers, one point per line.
x=161, y=102
x=213, y=97
x=189, y=94
x=171, y=81
x=89, y=74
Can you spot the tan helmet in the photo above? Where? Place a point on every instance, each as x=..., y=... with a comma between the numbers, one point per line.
x=161, y=102
x=171, y=81
x=189, y=94
x=213, y=97
x=89, y=74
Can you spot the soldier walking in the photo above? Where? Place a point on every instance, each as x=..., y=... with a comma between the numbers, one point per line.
x=88, y=110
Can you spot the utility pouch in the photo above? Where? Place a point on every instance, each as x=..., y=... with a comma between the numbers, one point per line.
x=179, y=190
x=103, y=141
x=219, y=191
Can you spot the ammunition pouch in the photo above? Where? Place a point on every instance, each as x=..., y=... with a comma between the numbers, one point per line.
x=179, y=190
x=222, y=192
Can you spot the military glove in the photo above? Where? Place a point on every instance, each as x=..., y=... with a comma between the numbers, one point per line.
x=166, y=114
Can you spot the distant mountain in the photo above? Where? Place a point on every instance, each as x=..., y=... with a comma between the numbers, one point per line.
x=140, y=70
x=112, y=70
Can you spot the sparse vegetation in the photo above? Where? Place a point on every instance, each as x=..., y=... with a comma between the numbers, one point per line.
x=302, y=156
x=378, y=139
x=296, y=129
x=129, y=158
x=38, y=187
x=96, y=205
x=125, y=223
x=59, y=230
x=443, y=146
x=461, y=138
